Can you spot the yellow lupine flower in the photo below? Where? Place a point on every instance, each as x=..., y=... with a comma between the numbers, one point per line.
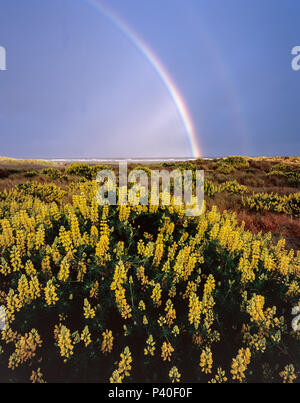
x=15, y=259
x=25, y=349
x=88, y=311
x=74, y=229
x=102, y=246
x=64, y=271
x=195, y=309
x=34, y=288
x=255, y=308
x=82, y=269
x=13, y=304
x=65, y=342
x=124, y=212
x=156, y=294
x=125, y=362
x=219, y=377
x=40, y=237
x=46, y=268
x=240, y=364
x=107, y=342
x=159, y=250
x=288, y=374
x=150, y=346
x=116, y=377
x=206, y=360
x=209, y=286
x=8, y=236
x=50, y=293
x=23, y=289
x=65, y=239
x=86, y=336
x=171, y=313
x=174, y=375
x=37, y=376
x=29, y=268
x=166, y=351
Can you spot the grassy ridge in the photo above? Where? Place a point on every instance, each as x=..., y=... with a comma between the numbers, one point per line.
x=24, y=162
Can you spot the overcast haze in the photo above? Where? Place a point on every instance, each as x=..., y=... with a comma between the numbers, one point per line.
x=77, y=86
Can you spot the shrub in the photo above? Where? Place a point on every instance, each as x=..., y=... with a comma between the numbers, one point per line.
x=4, y=173
x=273, y=202
x=30, y=174
x=186, y=166
x=282, y=168
x=86, y=171
x=142, y=294
x=46, y=192
x=290, y=171
x=143, y=168
x=293, y=178
x=292, y=204
x=80, y=169
x=210, y=189
x=225, y=168
x=55, y=174
x=234, y=187
x=168, y=164
x=237, y=161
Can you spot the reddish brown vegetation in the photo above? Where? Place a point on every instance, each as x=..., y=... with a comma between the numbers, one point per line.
x=279, y=225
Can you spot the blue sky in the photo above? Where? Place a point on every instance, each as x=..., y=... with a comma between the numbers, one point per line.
x=77, y=86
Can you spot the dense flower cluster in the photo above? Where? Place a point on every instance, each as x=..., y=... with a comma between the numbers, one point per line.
x=141, y=292
x=234, y=187
x=288, y=204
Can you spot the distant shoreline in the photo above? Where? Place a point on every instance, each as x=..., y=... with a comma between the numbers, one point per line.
x=61, y=162
x=122, y=159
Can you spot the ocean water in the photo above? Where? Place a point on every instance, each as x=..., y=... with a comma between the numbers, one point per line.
x=129, y=160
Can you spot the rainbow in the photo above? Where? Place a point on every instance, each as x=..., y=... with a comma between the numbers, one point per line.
x=160, y=70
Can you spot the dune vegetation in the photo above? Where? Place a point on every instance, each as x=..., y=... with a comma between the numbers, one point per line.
x=144, y=293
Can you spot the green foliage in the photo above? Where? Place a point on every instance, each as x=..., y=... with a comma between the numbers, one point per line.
x=237, y=161
x=234, y=187
x=152, y=277
x=144, y=168
x=293, y=178
x=290, y=171
x=30, y=174
x=86, y=171
x=186, y=166
x=48, y=192
x=202, y=285
x=229, y=164
x=169, y=165
x=80, y=169
x=225, y=168
x=4, y=173
x=55, y=174
x=210, y=188
x=282, y=168
x=273, y=202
